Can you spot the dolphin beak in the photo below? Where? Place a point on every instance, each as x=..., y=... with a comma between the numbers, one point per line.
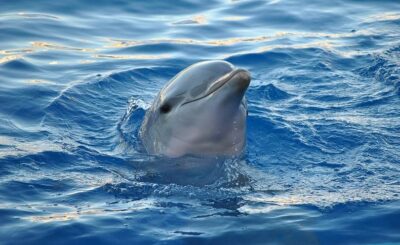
x=242, y=78
x=238, y=79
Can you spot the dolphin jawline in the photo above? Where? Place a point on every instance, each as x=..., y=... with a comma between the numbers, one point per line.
x=218, y=84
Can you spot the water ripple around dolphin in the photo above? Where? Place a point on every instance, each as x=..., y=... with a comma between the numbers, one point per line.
x=322, y=157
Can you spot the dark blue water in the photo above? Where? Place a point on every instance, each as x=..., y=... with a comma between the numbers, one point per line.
x=322, y=163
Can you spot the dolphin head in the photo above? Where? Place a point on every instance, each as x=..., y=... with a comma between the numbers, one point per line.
x=201, y=111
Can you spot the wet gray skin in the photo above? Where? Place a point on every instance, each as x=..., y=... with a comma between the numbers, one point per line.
x=201, y=111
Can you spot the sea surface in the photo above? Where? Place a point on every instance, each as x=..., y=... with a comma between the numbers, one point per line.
x=322, y=162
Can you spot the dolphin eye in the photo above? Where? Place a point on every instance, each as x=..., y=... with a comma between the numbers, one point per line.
x=165, y=108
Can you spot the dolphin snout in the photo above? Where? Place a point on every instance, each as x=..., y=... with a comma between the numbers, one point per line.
x=242, y=78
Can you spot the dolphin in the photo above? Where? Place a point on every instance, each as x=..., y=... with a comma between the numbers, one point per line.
x=201, y=111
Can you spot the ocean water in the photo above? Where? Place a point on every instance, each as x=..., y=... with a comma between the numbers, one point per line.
x=322, y=162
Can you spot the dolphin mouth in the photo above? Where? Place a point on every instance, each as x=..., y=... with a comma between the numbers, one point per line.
x=224, y=80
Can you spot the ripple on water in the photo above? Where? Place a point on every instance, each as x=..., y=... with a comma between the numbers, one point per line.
x=322, y=156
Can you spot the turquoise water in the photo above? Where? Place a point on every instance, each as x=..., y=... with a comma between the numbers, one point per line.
x=322, y=162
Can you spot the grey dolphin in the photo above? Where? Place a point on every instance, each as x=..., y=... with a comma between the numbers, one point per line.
x=200, y=111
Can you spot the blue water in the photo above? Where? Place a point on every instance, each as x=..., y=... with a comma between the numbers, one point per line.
x=322, y=163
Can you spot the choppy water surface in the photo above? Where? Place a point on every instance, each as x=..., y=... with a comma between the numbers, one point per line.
x=322, y=164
